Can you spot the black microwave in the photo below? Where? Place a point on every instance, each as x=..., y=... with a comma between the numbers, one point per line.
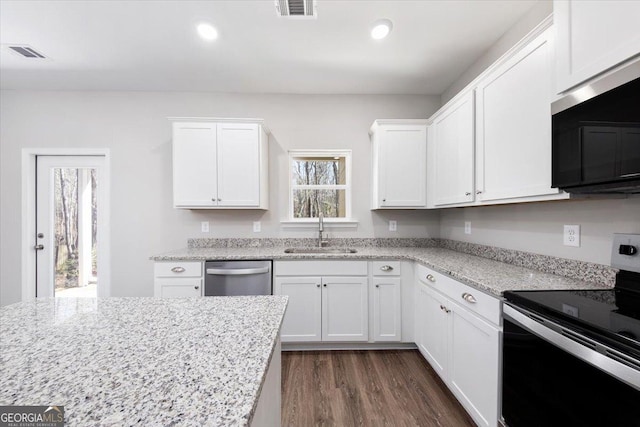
x=596, y=136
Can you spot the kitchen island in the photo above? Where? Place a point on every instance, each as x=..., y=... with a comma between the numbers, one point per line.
x=145, y=361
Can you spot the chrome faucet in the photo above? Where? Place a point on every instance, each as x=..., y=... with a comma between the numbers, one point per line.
x=321, y=241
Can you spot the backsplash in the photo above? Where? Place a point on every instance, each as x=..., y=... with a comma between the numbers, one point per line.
x=580, y=270
x=307, y=242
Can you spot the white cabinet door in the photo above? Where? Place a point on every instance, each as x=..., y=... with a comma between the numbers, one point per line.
x=402, y=164
x=593, y=36
x=238, y=164
x=513, y=125
x=344, y=309
x=474, y=365
x=302, y=320
x=387, y=316
x=194, y=164
x=432, y=328
x=177, y=288
x=452, y=153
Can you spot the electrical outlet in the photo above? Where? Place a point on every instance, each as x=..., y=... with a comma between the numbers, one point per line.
x=467, y=227
x=204, y=226
x=257, y=226
x=572, y=235
x=393, y=226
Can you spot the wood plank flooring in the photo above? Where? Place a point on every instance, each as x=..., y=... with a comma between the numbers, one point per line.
x=365, y=388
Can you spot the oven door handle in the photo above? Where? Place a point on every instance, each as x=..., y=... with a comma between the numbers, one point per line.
x=614, y=363
x=236, y=271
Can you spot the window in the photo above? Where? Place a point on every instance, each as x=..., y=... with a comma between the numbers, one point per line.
x=320, y=183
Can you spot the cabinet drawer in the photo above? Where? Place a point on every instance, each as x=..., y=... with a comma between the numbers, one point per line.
x=466, y=296
x=385, y=268
x=320, y=268
x=178, y=269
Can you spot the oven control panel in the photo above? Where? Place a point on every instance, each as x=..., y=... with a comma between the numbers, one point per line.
x=625, y=253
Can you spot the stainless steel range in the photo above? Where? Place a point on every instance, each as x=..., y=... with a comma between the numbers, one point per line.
x=572, y=358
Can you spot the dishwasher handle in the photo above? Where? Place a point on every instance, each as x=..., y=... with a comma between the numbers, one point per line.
x=236, y=271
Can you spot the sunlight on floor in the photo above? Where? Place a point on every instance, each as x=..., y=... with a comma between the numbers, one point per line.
x=89, y=291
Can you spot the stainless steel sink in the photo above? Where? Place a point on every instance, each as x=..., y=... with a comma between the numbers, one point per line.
x=320, y=251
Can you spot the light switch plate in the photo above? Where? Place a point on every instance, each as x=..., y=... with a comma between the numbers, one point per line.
x=204, y=226
x=393, y=226
x=467, y=227
x=257, y=226
x=572, y=235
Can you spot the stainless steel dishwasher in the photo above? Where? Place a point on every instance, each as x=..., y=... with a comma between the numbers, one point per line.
x=237, y=278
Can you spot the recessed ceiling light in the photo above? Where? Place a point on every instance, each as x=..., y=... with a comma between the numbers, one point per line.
x=381, y=29
x=207, y=32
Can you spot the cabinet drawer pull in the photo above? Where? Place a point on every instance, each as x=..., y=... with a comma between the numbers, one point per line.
x=386, y=268
x=468, y=297
x=431, y=278
x=178, y=269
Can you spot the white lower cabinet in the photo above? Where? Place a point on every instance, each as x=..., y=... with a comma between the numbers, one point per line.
x=387, y=309
x=323, y=307
x=461, y=345
x=180, y=279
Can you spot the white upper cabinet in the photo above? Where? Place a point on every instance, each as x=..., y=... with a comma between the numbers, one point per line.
x=513, y=125
x=451, y=141
x=399, y=164
x=220, y=164
x=593, y=36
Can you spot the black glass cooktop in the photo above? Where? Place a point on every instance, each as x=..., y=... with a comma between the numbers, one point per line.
x=611, y=316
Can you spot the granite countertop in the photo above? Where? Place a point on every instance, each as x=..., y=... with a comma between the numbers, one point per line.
x=140, y=361
x=487, y=275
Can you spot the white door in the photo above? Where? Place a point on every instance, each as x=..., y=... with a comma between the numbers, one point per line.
x=238, y=164
x=194, y=165
x=452, y=153
x=69, y=241
x=432, y=328
x=403, y=165
x=302, y=320
x=345, y=309
x=593, y=36
x=474, y=365
x=387, y=308
x=513, y=134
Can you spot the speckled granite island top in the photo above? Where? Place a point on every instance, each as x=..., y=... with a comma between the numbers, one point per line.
x=490, y=276
x=140, y=361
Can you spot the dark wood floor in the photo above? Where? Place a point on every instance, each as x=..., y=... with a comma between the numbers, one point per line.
x=365, y=388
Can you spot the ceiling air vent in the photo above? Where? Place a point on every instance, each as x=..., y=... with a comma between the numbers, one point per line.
x=296, y=8
x=26, y=52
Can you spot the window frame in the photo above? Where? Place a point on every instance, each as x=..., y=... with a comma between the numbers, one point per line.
x=329, y=154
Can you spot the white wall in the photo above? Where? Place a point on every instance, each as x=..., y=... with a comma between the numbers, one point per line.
x=541, y=10
x=537, y=227
x=134, y=127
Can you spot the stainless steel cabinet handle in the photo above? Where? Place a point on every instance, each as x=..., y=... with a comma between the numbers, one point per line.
x=236, y=271
x=386, y=268
x=441, y=307
x=325, y=285
x=219, y=200
x=178, y=269
x=196, y=287
x=213, y=200
x=478, y=192
x=377, y=286
x=446, y=310
x=431, y=278
x=318, y=285
x=467, y=194
x=38, y=247
x=384, y=200
x=468, y=297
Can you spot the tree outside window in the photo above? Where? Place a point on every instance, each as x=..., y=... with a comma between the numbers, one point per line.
x=320, y=183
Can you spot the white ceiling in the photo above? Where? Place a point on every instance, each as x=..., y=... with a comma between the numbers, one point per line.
x=153, y=45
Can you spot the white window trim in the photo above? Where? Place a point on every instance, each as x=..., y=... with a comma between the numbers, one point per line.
x=347, y=221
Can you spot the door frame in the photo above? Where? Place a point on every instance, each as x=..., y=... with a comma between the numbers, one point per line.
x=29, y=216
